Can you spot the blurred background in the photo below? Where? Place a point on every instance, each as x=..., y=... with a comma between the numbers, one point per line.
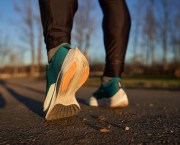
x=153, y=54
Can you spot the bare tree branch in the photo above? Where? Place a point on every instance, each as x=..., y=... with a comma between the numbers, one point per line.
x=85, y=24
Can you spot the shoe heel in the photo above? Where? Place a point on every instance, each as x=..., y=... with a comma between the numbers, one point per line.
x=84, y=76
x=68, y=76
x=85, y=68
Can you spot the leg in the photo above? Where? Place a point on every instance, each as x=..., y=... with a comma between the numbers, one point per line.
x=57, y=20
x=68, y=69
x=116, y=27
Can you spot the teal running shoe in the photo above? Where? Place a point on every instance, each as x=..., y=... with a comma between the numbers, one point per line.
x=110, y=94
x=66, y=73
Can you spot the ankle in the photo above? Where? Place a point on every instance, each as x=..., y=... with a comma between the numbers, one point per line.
x=54, y=50
x=105, y=79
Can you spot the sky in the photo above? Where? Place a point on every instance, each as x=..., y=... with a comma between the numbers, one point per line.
x=8, y=29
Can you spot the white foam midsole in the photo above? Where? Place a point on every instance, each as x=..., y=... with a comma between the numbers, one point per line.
x=119, y=99
x=48, y=97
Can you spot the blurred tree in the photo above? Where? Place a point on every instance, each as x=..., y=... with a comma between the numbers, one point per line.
x=29, y=24
x=150, y=28
x=85, y=24
x=137, y=27
x=164, y=28
x=175, y=34
x=26, y=25
x=4, y=51
x=21, y=57
x=40, y=39
x=2, y=47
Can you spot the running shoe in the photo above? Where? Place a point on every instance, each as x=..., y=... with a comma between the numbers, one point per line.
x=110, y=94
x=66, y=73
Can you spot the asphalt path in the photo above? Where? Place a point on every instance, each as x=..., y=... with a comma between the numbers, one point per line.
x=152, y=117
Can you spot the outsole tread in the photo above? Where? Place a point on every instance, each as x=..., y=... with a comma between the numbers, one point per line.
x=61, y=111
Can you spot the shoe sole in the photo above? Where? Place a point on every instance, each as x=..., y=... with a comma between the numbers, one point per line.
x=73, y=74
x=118, y=100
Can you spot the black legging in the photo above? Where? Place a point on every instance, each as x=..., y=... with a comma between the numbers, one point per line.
x=57, y=20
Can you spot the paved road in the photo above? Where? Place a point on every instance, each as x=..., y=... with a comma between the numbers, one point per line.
x=152, y=117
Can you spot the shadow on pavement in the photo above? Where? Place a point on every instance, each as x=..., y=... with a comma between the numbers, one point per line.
x=82, y=101
x=33, y=105
x=2, y=101
x=26, y=87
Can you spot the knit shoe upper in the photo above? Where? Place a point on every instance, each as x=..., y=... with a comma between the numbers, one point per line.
x=109, y=89
x=52, y=70
x=110, y=94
